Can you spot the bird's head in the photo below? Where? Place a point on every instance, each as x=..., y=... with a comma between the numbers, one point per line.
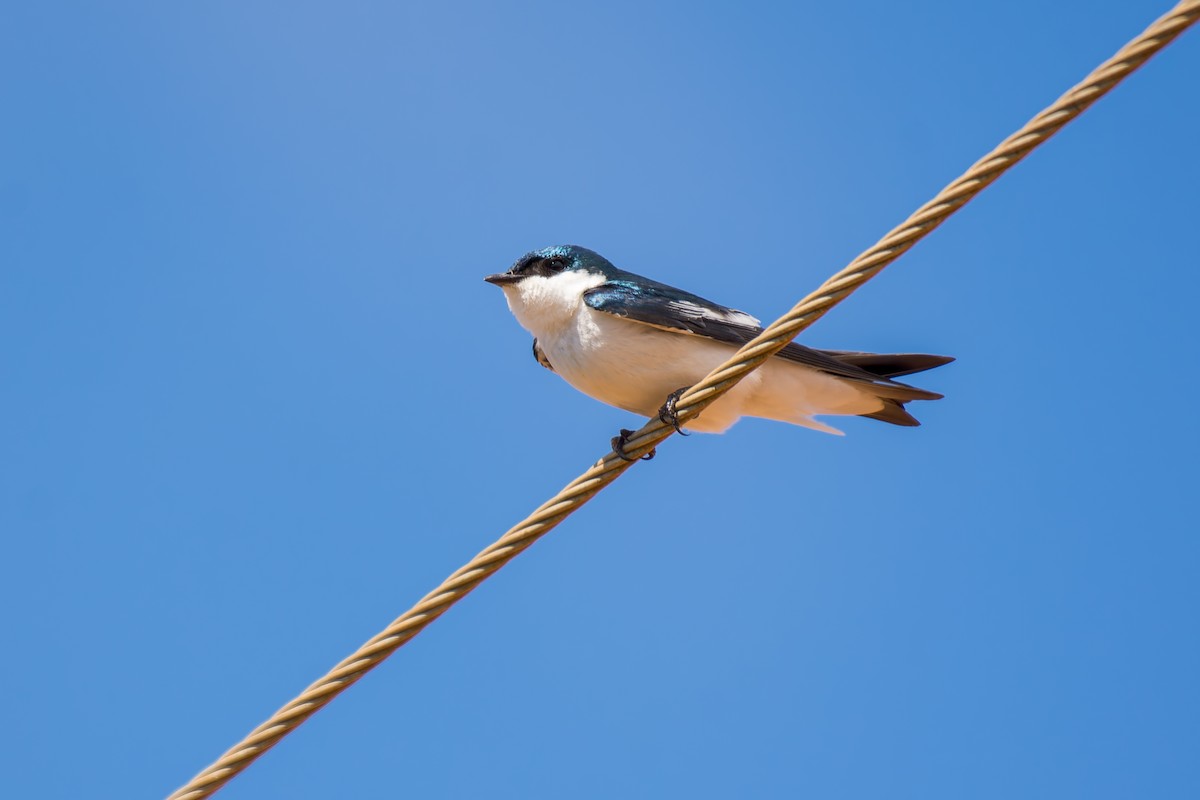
x=544, y=288
x=551, y=261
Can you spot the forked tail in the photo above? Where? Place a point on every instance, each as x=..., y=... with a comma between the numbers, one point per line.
x=893, y=393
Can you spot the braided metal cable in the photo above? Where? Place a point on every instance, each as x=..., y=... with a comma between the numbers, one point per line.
x=694, y=400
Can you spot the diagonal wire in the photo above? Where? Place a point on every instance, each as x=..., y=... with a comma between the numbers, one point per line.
x=928, y=217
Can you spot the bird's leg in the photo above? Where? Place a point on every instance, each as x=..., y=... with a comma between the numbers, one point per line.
x=667, y=413
x=619, y=442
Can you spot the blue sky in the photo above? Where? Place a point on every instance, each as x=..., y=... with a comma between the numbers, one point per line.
x=257, y=400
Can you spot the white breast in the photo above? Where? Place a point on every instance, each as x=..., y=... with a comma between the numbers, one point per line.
x=625, y=364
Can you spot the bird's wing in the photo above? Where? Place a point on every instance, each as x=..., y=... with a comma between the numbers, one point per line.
x=540, y=355
x=653, y=303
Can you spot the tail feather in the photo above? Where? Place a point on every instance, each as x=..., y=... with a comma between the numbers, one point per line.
x=895, y=413
x=901, y=392
x=890, y=365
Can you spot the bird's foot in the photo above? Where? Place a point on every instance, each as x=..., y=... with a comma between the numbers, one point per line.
x=618, y=446
x=667, y=413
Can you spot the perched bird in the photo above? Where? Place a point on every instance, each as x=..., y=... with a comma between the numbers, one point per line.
x=631, y=342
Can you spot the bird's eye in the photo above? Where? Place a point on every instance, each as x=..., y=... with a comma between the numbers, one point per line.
x=556, y=263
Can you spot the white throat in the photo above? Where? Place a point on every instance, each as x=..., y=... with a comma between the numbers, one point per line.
x=546, y=305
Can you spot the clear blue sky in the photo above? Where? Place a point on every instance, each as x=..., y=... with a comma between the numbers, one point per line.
x=256, y=400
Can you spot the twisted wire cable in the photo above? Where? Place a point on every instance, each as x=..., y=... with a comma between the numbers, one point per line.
x=548, y=515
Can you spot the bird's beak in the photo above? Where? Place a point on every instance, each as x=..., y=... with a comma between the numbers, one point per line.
x=503, y=278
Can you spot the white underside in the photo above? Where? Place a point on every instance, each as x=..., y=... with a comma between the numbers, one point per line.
x=635, y=366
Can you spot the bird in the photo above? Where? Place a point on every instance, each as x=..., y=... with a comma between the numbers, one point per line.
x=637, y=344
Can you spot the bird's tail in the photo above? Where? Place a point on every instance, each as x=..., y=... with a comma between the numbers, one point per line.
x=893, y=394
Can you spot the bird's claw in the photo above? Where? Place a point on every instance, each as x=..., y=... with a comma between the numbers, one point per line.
x=618, y=445
x=667, y=413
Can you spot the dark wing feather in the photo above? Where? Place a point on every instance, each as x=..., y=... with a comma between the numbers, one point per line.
x=653, y=303
x=662, y=306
